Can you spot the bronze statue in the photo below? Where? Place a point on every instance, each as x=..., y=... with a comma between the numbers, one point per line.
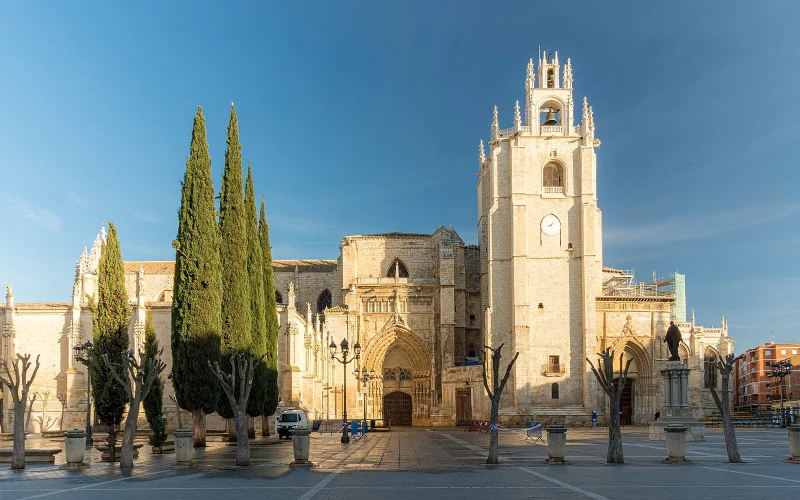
x=673, y=340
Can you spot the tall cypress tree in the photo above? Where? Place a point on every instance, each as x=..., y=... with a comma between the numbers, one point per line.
x=109, y=332
x=197, y=291
x=258, y=325
x=236, y=331
x=271, y=402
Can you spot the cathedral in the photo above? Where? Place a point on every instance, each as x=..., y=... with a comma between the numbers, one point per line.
x=423, y=306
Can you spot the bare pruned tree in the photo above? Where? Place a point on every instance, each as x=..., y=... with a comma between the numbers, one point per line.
x=724, y=404
x=178, y=409
x=495, y=392
x=19, y=386
x=237, y=386
x=136, y=377
x=614, y=391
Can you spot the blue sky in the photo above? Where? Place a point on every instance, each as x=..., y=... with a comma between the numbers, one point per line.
x=364, y=117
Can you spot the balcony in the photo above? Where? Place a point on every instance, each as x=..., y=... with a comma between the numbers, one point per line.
x=551, y=129
x=553, y=190
x=553, y=370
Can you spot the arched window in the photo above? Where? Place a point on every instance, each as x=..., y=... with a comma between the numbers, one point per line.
x=553, y=178
x=554, y=390
x=324, y=301
x=472, y=352
x=397, y=270
x=278, y=297
x=710, y=366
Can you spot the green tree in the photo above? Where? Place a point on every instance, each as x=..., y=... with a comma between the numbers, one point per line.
x=271, y=403
x=154, y=400
x=112, y=314
x=236, y=331
x=197, y=291
x=258, y=325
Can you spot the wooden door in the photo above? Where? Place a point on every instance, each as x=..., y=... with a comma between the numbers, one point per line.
x=626, y=402
x=397, y=408
x=463, y=406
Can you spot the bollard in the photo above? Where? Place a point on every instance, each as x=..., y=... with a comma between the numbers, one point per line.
x=75, y=445
x=184, y=443
x=794, y=444
x=301, y=445
x=556, y=444
x=676, y=444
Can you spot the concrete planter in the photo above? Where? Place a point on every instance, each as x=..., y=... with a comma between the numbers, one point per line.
x=301, y=445
x=184, y=444
x=794, y=444
x=676, y=444
x=556, y=444
x=75, y=444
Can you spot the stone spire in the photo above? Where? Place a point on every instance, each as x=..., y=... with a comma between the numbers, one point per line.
x=9, y=296
x=517, y=117
x=481, y=153
x=530, y=80
x=568, y=74
x=494, y=133
x=587, y=125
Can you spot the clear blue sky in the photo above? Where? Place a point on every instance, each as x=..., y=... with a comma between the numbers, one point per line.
x=364, y=117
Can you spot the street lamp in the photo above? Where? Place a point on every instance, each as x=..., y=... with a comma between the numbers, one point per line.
x=344, y=361
x=781, y=370
x=364, y=378
x=82, y=354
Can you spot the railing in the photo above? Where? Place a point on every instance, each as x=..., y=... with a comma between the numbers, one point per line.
x=554, y=369
x=551, y=129
x=553, y=190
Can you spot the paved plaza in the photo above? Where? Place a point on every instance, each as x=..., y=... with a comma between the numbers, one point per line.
x=442, y=463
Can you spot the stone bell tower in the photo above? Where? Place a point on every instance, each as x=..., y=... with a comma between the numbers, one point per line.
x=541, y=243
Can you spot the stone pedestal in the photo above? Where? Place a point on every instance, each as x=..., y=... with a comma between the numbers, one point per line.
x=75, y=445
x=794, y=444
x=676, y=409
x=301, y=445
x=556, y=444
x=676, y=443
x=184, y=443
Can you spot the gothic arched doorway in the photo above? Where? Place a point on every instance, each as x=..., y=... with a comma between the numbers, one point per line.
x=397, y=408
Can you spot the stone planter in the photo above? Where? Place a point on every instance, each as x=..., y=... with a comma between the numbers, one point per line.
x=301, y=445
x=676, y=444
x=794, y=444
x=75, y=444
x=184, y=443
x=556, y=444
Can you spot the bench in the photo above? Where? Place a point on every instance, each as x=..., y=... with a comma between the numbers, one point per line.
x=32, y=455
x=106, y=454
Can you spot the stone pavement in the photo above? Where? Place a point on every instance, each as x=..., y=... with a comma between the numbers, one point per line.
x=441, y=463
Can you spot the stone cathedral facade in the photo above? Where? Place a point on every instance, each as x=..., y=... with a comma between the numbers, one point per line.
x=423, y=306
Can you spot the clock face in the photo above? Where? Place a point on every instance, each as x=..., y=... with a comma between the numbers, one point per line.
x=551, y=225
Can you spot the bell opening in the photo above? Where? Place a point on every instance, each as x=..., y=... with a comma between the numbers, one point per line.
x=551, y=118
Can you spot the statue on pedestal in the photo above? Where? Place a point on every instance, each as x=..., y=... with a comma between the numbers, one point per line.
x=673, y=340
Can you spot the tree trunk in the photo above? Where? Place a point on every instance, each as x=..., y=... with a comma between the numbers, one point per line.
x=614, y=455
x=126, y=453
x=493, y=433
x=242, y=444
x=199, y=428
x=264, y=425
x=18, y=453
x=251, y=427
x=112, y=442
x=731, y=445
x=232, y=430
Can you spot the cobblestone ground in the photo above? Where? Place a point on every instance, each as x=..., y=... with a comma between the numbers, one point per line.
x=427, y=463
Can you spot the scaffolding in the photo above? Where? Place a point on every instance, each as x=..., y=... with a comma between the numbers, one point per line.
x=622, y=283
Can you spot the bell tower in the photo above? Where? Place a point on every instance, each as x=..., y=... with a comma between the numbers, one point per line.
x=541, y=242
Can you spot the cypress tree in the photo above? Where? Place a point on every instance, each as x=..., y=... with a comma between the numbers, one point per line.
x=272, y=326
x=153, y=401
x=197, y=291
x=109, y=333
x=258, y=325
x=236, y=330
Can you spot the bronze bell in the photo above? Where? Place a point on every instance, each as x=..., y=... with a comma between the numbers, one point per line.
x=550, y=118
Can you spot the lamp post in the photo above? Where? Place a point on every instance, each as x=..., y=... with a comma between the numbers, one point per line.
x=344, y=361
x=82, y=354
x=781, y=370
x=364, y=378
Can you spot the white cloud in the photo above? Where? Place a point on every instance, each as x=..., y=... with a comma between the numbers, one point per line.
x=38, y=215
x=146, y=217
x=692, y=227
x=74, y=200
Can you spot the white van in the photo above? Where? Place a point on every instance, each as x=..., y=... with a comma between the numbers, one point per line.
x=291, y=419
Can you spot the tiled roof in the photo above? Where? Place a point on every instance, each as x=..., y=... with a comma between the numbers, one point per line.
x=42, y=306
x=150, y=266
x=308, y=266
